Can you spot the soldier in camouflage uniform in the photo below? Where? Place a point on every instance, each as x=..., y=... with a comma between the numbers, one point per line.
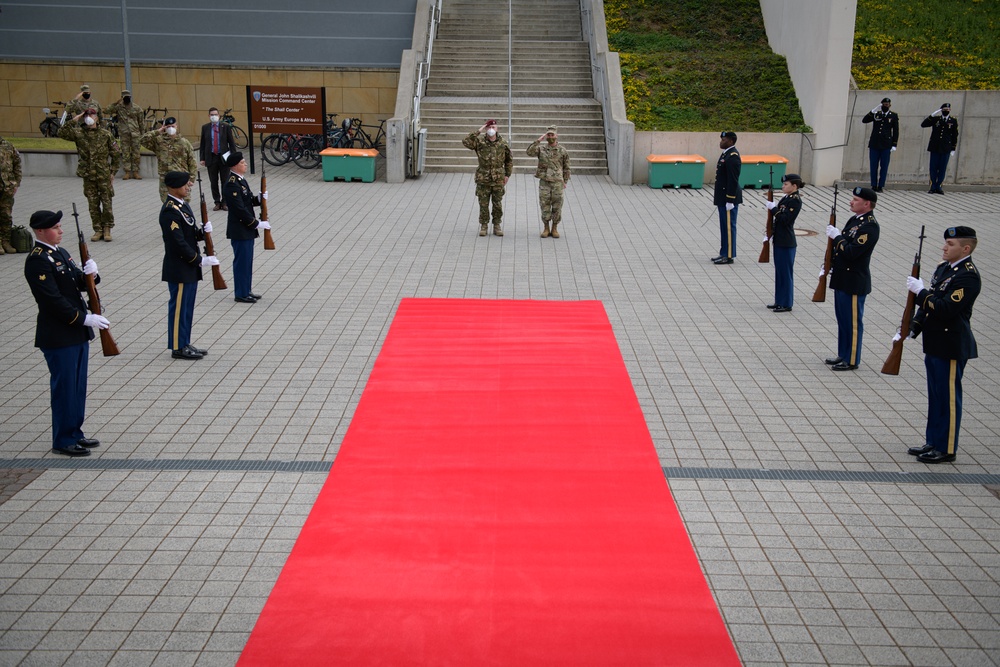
x=173, y=152
x=99, y=159
x=10, y=180
x=83, y=101
x=131, y=120
x=553, y=177
x=495, y=167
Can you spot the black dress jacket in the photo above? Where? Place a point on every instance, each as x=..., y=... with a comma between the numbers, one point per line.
x=181, y=234
x=242, y=223
x=852, y=253
x=56, y=283
x=946, y=311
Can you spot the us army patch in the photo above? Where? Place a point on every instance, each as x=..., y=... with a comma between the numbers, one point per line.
x=958, y=295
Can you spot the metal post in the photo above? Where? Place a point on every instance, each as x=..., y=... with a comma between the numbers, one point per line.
x=127, y=59
x=510, y=72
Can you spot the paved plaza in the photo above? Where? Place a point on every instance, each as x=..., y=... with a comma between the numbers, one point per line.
x=821, y=539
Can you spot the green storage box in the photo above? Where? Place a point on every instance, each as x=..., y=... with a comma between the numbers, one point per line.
x=349, y=164
x=676, y=170
x=756, y=170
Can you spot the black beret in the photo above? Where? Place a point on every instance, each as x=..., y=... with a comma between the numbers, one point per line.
x=48, y=219
x=886, y=100
x=960, y=233
x=169, y=120
x=866, y=193
x=792, y=178
x=176, y=179
x=728, y=135
x=234, y=159
x=946, y=105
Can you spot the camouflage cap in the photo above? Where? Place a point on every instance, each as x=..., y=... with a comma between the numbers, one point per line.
x=552, y=128
x=126, y=92
x=84, y=88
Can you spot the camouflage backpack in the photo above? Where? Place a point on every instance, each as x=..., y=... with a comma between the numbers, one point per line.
x=21, y=239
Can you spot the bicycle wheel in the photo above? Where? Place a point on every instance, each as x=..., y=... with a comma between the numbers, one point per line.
x=305, y=152
x=275, y=149
x=240, y=137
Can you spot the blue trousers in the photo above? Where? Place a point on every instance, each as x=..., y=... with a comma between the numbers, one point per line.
x=727, y=230
x=879, y=160
x=938, y=168
x=784, y=286
x=944, y=402
x=180, y=314
x=850, y=310
x=68, y=383
x=242, y=267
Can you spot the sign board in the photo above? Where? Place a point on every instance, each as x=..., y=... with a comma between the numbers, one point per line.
x=285, y=109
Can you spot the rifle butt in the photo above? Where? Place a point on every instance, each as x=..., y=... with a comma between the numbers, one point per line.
x=108, y=344
x=217, y=280
x=268, y=240
x=891, y=365
x=819, y=296
x=765, y=254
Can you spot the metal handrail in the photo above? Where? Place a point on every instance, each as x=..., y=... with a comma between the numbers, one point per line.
x=424, y=66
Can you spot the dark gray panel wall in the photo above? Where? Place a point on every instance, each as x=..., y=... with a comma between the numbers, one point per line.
x=333, y=33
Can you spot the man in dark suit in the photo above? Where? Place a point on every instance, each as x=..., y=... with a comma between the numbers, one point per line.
x=182, y=263
x=216, y=141
x=851, y=279
x=63, y=331
x=728, y=196
x=242, y=226
x=945, y=318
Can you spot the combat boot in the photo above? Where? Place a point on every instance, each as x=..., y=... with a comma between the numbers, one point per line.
x=98, y=235
x=136, y=176
x=107, y=233
x=545, y=229
x=555, y=232
x=127, y=175
x=482, y=229
x=497, y=231
x=2, y=251
x=6, y=247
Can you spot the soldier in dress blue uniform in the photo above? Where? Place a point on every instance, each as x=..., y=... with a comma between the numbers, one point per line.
x=851, y=278
x=942, y=144
x=182, y=263
x=728, y=196
x=944, y=316
x=783, y=228
x=882, y=143
x=242, y=226
x=64, y=329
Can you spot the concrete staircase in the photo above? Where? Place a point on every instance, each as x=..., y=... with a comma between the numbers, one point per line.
x=551, y=83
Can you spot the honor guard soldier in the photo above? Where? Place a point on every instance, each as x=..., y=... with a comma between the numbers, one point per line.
x=944, y=317
x=785, y=212
x=553, y=177
x=495, y=167
x=851, y=278
x=941, y=145
x=728, y=196
x=10, y=181
x=182, y=264
x=64, y=329
x=242, y=226
x=882, y=143
x=173, y=152
x=130, y=121
x=98, y=162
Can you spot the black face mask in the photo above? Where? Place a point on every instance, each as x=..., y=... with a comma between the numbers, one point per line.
x=945, y=112
x=885, y=108
x=86, y=96
x=127, y=100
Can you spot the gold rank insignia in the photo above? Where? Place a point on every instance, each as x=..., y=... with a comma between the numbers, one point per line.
x=957, y=295
x=42, y=276
x=174, y=225
x=863, y=239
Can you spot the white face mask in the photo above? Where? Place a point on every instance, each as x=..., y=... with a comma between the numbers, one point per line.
x=171, y=131
x=491, y=132
x=214, y=118
x=89, y=120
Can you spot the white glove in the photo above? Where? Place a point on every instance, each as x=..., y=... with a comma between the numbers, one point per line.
x=877, y=109
x=98, y=321
x=832, y=232
x=897, y=338
x=952, y=154
x=771, y=205
x=822, y=272
x=766, y=238
x=263, y=224
x=208, y=227
x=209, y=260
x=915, y=285
x=730, y=207
x=90, y=267
x=936, y=113
x=263, y=195
x=892, y=150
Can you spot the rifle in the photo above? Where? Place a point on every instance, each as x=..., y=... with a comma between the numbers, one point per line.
x=819, y=295
x=765, y=252
x=108, y=344
x=217, y=280
x=268, y=239
x=891, y=365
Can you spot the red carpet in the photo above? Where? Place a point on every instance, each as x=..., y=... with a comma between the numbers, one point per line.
x=497, y=500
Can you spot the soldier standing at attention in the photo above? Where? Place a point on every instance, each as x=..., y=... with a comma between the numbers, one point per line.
x=495, y=167
x=99, y=160
x=82, y=102
x=173, y=153
x=63, y=331
x=131, y=120
x=10, y=181
x=728, y=196
x=553, y=177
x=242, y=226
x=784, y=242
x=945, y=316
x=942, y=144
x=851, y=280
x=882, y=144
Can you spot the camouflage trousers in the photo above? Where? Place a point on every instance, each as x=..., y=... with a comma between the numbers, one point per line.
x=163, y=191
x=6, y=206
x=99, y=193
x=129, y=145
x=486, y=193
x=550, y=196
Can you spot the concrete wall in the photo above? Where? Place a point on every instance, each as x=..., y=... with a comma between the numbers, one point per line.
x=977, y=160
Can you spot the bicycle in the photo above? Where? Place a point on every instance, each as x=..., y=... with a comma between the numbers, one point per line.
x=239, y=136
x=364, y=140
x=154, y=118
x=49, y=127
x=305, y=151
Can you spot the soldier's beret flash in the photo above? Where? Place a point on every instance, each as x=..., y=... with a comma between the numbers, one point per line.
x=169, y=120
x=795, y=179
x=45, y=219
x=960, y=233
x=234, y=159
x=490, y=122
x=866, y=193
x=176, y=179
x=728, y=135
x=946, y=105
x=886, y=100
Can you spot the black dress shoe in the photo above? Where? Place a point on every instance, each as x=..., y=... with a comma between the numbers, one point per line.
x=939, y=191
x=772, y=306
x=198, y=350
x=724, y=260
x=935, y=456
x=782, y=309
x=245, y=299
x=88, y=442
x=186, y=352
x=75, y=450
x=833, y=361
x=917, y=451
x=879, y=190
x=255, y=296
x=844, y=366
x=715, y=259
x=932, y=191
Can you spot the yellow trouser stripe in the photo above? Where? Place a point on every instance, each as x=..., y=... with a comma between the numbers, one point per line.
x=729, y=232
x=952, y=407
x=854, y=330
x=177, y=314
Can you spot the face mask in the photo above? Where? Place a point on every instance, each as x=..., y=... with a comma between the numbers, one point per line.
x=945, y=112
x=86, y=96
x=89, y=120
x=885, y=108
x=214, y=118
x=551, y=140
x=171, y=131
x=127, y=100
x=491, y=132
